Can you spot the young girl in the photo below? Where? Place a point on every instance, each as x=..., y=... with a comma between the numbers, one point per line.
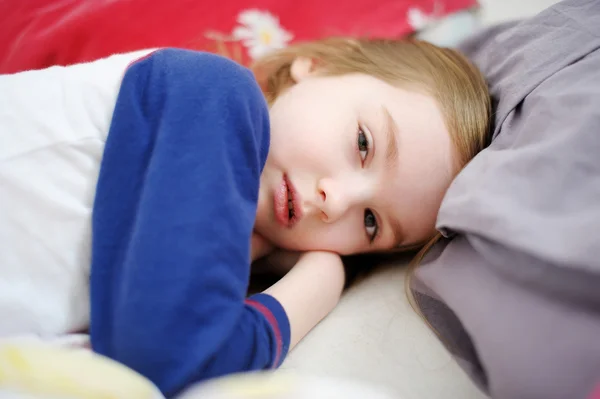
x=136, y=190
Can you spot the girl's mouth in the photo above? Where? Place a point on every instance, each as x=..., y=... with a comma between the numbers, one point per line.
x=286, y=203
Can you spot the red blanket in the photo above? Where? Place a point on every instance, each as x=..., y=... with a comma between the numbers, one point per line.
x=39, y=33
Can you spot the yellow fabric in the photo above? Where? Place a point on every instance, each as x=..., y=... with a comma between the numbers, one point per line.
x=49, y=371
x=257, y=385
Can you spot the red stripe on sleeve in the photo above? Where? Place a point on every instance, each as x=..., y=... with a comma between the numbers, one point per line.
x=273, y=321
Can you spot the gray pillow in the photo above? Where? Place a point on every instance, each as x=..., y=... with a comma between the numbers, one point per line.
x=514, y=289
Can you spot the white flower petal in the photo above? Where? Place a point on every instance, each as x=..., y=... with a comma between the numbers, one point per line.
x=270, y=19
x=249, y=17
x=260, y=32
x=258, y=51
x=250, y=43
x=287, y=36
x=242, y=32
x=417, y=19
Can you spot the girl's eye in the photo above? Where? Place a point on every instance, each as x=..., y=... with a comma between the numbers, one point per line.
x=371, y=226
x=363, y=144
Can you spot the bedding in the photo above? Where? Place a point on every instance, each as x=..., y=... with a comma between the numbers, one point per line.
x=39, y=33
x=515, y=292
x=33, y=369
x=383, y=342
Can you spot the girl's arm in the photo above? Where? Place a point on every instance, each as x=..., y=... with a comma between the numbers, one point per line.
x=310, y=286
x=309, y=291
x=173, y=215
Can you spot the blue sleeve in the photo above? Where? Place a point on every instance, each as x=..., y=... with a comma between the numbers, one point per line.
x=173, y=215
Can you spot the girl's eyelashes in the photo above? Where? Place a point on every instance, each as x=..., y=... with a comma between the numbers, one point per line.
x=363, y=144
x=371, y=225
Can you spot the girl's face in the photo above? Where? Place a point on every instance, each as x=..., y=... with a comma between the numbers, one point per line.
x=362, y=164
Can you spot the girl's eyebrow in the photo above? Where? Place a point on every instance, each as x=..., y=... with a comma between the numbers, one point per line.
x=391, y=132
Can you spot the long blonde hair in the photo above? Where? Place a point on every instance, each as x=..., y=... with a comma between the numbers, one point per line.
x=444, y=74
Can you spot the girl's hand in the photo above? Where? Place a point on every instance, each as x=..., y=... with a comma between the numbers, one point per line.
x=260, y=247
x=309, y=291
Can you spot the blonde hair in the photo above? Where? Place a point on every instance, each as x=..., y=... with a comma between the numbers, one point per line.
x=444, y=74
x=457, y=86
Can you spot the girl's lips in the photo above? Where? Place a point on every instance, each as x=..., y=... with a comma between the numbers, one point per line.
x=283, y=194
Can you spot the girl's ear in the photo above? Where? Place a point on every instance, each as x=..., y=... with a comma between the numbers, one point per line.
x=301, y=68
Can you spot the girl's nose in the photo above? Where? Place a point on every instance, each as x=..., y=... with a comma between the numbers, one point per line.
x=336, y=197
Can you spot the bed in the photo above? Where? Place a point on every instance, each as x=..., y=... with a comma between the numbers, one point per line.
x=373, y=336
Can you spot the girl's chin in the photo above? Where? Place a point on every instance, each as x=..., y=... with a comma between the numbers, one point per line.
x=285, y=239
x=285, y=244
